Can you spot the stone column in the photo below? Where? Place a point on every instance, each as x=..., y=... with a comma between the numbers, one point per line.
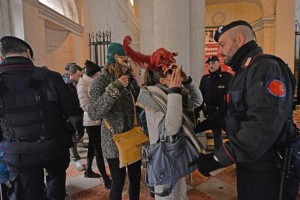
x=177, y=26
x=197, y=39
x=4, y=18
x=285, y=31
x=16, y=18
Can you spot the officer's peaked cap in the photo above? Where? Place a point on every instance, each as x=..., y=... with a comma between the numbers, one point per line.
x=223, y=29
x=212, y=58
x=7, y=38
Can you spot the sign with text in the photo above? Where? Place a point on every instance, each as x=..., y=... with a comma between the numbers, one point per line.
x=211, y=48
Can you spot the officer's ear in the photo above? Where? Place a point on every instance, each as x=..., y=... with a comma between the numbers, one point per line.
x=240, y=39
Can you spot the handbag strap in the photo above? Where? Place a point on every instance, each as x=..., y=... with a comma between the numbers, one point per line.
x=161, y=103
x=135, y=123
x=108, y=126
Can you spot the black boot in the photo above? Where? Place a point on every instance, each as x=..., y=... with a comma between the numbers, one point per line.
x=107, y=183
x=91, y=174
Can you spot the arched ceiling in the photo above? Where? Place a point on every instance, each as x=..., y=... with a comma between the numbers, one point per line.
x=267, y=6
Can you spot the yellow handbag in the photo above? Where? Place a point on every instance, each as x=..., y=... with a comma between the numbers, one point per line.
x=129, y=143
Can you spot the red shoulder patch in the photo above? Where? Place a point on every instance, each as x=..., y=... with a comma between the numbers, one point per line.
x=276, y=88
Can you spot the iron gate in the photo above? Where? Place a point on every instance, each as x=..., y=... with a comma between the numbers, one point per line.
x=297, y=62
x=98, y=43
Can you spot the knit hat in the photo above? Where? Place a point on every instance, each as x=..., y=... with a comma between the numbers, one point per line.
x=223, y=29
x=91, y=68
x=7, y=38
x=114, y=49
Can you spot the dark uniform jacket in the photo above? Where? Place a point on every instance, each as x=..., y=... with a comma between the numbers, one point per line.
x=213, y=87
x=256, y=112
x=16, y=73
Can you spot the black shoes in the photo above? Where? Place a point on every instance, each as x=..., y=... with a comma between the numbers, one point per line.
x=107, y=184
x=91, y=174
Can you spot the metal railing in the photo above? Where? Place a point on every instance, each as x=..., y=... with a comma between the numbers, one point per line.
x=98, y=43
x=297, y=62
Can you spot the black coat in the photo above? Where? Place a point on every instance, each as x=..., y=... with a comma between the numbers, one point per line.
x=59, y=102
x=213, y=87
x=255, y=116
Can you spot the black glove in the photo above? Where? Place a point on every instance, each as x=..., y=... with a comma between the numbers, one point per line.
x=206, y=163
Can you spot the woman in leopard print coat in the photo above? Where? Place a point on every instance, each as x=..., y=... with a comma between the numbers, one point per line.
x=110, y=100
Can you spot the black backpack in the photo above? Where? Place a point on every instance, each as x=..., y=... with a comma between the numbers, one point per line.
x=23, y=114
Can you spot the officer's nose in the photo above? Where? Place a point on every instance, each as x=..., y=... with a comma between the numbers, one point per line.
x=220, y=51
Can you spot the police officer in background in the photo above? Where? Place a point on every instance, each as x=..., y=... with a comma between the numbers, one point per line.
x=33, y=102
x=213, y=87
x=260, y=103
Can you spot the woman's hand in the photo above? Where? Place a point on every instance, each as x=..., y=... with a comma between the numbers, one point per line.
x=176, y=79
x=124, y=80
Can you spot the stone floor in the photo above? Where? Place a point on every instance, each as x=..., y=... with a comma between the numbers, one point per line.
x=220, y=186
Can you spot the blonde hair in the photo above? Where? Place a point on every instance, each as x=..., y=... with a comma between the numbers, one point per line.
x=114, y=69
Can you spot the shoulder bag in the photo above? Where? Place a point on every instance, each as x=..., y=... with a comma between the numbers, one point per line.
x=129, y=143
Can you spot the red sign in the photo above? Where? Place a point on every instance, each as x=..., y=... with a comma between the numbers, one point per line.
x=211, y=48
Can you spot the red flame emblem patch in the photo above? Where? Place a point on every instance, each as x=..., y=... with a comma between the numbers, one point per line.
x=276, y=88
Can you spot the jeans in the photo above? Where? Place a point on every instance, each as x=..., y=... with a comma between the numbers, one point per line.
x=74, y=152
x=215, y=126
x=218, y=139
x=118, y=179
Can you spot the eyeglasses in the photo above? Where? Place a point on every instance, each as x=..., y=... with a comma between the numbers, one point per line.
x=167, y=68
